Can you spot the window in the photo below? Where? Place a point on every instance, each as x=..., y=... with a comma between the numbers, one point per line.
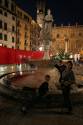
x=6, y=3
x=5, y=14
x=25, y=42
x=26, y=27
x=13, y=29
x=5, y=37
x=0, y=1
x=66, y=39
x=25, y=35
x=12, y=7
x=5, y=26
x=18, y=41
x=26, y=17
x=25, y=48
x=1, y=11
x=18, y=31
x=13, y=17
x=0, y=24
x=12, y=47
x=1, y=36
x=5, y=45
x=58, y=36
x=17, y=47
x=80, y=34
x=20, y=14
x=18, y=23
x=13, y=39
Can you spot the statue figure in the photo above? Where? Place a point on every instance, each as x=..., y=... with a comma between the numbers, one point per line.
x=48, y=21
x=45, y=34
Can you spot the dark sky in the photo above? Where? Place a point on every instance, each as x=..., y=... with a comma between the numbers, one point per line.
x=64, y=11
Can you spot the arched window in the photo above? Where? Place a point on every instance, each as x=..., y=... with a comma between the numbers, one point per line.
x=58, y=35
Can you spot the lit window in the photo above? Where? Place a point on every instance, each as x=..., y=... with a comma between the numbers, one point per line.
x=1, y=44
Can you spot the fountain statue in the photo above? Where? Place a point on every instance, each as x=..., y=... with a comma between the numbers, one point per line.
x=48, y=21
x=47, y=29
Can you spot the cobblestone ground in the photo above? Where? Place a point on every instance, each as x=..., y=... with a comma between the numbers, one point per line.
x=11, y=114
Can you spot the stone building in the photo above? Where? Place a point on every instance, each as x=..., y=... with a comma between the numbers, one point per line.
x=67, y=39
x=16, y=27
x=23, y=28
x=7, y=23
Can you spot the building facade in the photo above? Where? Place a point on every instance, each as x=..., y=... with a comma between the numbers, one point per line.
x=23, y=28
x=16, y=27
x=7, y=23
x=67, y=39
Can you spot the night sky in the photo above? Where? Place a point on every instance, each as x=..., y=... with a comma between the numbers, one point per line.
x=64, y=11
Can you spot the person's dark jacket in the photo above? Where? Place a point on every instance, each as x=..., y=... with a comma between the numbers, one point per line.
x=43, y=89
x=61, y=68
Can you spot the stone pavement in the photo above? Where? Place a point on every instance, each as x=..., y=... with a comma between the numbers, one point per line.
x=11, y=114
x=40, y=119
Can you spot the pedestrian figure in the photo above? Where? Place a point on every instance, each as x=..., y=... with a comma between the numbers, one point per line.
x=61, y=67
x=41, y=93
x=43, y=89
x=67, y=80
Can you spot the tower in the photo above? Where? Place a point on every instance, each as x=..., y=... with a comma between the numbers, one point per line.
x=40, y=12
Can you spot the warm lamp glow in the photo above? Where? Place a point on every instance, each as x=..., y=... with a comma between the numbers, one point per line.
x=40, y=48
